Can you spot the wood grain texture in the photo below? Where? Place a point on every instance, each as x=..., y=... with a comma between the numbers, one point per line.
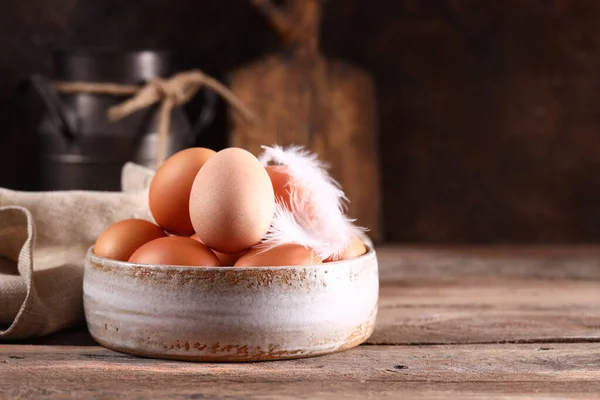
x=507, y=371
x=406, y=264
x=448, y=295
x=488, y=294
x=488, y=311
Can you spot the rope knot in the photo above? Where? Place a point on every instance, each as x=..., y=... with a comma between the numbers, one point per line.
x=171, y=89
x=174, y=91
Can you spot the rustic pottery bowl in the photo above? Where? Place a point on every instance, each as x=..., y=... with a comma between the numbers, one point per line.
x=230, y=314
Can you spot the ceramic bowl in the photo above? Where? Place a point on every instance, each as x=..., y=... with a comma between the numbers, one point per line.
x=230, y=314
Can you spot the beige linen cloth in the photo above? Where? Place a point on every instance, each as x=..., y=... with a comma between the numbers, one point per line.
x=43, y=240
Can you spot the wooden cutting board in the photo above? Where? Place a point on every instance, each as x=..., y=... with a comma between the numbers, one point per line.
x=302, y=98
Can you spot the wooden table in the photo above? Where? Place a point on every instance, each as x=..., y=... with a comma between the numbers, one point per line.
x=453, y=323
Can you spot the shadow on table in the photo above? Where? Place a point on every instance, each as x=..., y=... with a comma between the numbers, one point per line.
x=71, y=337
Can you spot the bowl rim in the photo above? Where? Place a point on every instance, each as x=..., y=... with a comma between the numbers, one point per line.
x=90, y=255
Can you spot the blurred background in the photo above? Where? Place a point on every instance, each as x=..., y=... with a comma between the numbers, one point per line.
x=487, y=112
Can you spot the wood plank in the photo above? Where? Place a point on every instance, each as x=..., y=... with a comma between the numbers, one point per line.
x=507, y=371
x=402, y=263
x=478, y=310
x=486, y=294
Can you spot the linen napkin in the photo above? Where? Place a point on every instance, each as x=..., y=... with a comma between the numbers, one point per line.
x=43, y=240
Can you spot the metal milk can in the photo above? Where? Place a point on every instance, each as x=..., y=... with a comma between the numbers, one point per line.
x=79, y=147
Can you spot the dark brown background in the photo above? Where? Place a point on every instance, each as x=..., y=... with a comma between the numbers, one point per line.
x=489, y=110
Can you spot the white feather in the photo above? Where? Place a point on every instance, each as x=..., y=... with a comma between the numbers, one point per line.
x=325, y=229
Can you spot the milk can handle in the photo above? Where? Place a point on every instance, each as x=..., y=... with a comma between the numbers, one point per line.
x=47, y=92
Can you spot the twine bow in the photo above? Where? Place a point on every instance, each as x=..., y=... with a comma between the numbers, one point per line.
x=172, y=92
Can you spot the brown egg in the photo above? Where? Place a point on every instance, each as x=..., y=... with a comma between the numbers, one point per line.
x=355, y=249
x=175, y=250
x=232, y=201
x=285, y=254
x=120, y=240
x=227, y=260
x=170, y=188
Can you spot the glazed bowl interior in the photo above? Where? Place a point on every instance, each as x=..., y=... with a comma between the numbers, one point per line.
x=209, y=313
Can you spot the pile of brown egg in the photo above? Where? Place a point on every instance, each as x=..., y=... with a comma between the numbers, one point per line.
x=211, y=209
